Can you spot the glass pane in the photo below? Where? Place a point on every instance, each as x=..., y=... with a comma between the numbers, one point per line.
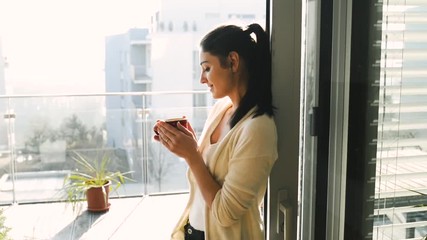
x=309, y=139
x=167, y=172
x=401, y=170
x=62, y=66
x=46, y=132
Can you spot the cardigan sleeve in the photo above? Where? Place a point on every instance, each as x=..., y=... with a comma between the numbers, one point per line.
x=253, y=153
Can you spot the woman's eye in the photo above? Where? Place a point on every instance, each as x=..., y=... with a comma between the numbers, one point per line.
x=207, y=69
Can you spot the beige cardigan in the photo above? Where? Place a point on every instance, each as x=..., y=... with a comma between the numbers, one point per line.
x=244, y=158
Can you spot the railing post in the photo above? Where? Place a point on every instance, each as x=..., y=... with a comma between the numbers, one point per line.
x=9, y=116
x=145, y=141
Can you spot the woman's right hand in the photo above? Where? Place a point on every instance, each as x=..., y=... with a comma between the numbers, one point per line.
x=184, y=128
x=189, y=128
x=155, y=129
x=180, y=140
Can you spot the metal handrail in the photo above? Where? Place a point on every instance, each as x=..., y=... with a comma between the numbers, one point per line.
x=150, y=93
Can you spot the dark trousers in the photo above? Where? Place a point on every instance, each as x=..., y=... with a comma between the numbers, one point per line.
x=193, y=234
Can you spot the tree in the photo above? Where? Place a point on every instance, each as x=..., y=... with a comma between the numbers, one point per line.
x=159, y=166
x=40, y=135
x=74, y=132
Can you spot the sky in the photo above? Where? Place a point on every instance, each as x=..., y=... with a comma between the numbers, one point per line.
x=57, y=46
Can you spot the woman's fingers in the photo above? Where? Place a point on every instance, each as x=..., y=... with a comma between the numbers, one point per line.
x=167, y=133
x=165, y=140
x=164, y=132
x=190, y=129
x=179, y=140
x=184, y=129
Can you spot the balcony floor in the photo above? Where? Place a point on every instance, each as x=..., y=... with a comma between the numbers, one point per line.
x=151, y=217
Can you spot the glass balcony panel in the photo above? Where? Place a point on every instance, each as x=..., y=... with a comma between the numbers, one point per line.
x=166, y=171
x=47, y=131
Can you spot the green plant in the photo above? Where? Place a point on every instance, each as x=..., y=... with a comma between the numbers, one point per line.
x=94, y=173
x=4, y=231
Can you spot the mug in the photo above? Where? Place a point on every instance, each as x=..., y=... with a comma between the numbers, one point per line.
x=174, y=121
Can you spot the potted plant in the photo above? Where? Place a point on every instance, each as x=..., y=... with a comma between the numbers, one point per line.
x=4, y=231
x=93, y=182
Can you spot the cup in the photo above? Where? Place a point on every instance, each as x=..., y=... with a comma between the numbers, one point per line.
x=174, y=121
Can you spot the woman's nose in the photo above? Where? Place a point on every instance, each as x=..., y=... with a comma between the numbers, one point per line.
x=203, y=79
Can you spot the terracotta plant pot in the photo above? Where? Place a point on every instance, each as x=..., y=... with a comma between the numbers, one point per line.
x=97, y=199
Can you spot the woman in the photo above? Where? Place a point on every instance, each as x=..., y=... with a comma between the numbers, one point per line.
x=230, y=165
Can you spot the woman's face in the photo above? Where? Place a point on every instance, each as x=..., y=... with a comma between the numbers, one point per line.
x=219, y=79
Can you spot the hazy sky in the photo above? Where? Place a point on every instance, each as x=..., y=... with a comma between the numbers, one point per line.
x=57, y=46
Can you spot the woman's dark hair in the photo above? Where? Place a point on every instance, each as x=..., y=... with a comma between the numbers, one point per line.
x=256, y=54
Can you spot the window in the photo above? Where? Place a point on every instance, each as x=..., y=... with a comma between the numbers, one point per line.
x=401, y=161
x=386, y=195
x=104, y=65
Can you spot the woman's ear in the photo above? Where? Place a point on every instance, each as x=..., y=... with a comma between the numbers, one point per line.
x=234, y=61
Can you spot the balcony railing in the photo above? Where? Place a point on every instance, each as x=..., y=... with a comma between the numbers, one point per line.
x=40, y=134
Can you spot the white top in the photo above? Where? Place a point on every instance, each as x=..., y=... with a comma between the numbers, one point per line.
x=197, y=211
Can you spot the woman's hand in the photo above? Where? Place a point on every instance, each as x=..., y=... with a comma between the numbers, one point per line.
x=181, y=140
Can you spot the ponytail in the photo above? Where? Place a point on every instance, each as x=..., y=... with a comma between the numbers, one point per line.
x=262, y=71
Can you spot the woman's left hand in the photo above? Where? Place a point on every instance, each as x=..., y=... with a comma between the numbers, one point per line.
x=181, y=140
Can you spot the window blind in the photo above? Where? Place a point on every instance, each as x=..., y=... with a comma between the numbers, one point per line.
x=401, y=161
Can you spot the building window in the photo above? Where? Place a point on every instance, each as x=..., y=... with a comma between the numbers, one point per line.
x=185, y=26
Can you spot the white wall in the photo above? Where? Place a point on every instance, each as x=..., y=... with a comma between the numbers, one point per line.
x=286, y=46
